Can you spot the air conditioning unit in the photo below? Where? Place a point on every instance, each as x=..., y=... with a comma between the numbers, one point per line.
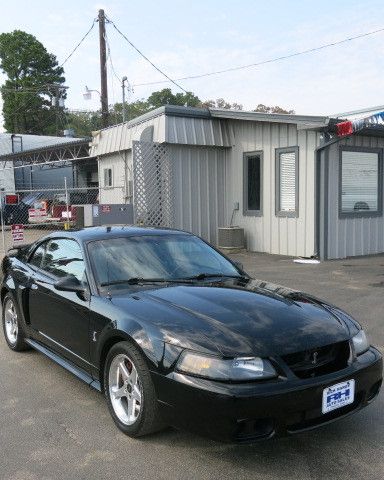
x=231, y=238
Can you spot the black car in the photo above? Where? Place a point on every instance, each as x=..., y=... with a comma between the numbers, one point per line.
x=175, y=333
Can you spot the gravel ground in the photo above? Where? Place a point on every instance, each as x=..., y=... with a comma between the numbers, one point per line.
x=52, y=426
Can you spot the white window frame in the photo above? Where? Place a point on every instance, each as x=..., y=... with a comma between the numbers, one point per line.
x=278, y=211
x=362, y=213
x=105, y=170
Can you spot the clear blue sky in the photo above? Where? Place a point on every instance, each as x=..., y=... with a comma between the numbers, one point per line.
x=189, y=37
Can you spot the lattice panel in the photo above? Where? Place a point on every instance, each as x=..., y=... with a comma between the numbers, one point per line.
x=153, y=193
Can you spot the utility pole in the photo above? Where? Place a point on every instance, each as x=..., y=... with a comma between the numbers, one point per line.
x=103, y=70
x=124, y=105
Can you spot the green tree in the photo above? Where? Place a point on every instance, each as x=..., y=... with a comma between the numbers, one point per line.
x=83, y=123
x=133, y=110
x=166, y=97
x=221, y=103
x=276, y=109
x=33, y=76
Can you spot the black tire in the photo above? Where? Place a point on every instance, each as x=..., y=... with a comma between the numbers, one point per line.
x=15, y=342
x=148, y=419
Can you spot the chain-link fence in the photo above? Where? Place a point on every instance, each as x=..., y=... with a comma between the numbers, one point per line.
x=27, y=214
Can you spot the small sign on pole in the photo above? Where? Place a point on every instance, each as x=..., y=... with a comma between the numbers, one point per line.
x=12, y=199
x=17, y=233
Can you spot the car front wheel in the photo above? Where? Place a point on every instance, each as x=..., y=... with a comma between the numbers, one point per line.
x=130, y=392
x=13, y=331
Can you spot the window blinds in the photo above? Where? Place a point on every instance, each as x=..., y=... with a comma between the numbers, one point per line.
x=287, y=182
x=359, y=181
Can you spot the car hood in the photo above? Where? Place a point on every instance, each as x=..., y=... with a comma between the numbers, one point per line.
x=249, y=319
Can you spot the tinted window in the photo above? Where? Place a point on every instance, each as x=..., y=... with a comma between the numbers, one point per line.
x=252, y=182
x=37, y=255
x=63, y=257
x=152, y=256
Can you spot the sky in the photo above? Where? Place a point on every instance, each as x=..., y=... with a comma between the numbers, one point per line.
x=187, y=37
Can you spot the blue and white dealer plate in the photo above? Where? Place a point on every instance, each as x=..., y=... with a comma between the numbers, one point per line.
x=339, y=395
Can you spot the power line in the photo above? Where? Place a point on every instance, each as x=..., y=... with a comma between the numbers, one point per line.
x=169, y=79
x=112, y=66
x=78, y=45
x=271, y=60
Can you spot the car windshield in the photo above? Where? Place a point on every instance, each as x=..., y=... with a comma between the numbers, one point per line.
x=156, y=257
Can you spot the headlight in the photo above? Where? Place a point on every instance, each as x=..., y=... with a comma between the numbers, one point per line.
x=237, y=369
x=360, y=343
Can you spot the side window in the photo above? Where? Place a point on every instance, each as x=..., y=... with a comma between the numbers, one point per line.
x=252, y=183
x=287, y=181
x=63, y=257
x=108, y=180
x=37, y=256
x=360, y=183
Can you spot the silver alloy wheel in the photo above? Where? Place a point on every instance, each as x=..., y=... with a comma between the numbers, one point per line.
x=11, y=323
x=125, y=389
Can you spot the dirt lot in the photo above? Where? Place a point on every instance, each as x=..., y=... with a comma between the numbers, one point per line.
x=52, y=426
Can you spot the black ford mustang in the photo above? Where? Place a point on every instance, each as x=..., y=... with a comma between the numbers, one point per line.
x=175, y=333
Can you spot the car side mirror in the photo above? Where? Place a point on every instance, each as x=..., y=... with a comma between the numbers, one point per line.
x=70, y=284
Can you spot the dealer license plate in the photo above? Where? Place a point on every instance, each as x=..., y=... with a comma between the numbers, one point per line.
x=339, y=395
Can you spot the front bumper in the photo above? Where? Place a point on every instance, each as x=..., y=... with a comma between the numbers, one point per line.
x=252, y=411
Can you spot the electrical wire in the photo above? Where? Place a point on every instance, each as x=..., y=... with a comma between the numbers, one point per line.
x=110, y=58
x=111, y=71
x=78, y=45
x=264, y=62
x=169, y=79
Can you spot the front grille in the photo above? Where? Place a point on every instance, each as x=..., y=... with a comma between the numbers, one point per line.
x=319, y=361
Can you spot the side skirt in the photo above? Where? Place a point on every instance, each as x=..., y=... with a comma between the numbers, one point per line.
x=78, y=372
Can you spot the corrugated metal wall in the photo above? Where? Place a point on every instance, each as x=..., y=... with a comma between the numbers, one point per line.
x=210, y=179
x=346, y=237
x=198, y=131
x=199, y=189
x=115, y=161
x=270, y=233
x=120, y=137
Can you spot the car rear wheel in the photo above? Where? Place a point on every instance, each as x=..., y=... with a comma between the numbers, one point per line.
x=13, y=331
x=130, y=392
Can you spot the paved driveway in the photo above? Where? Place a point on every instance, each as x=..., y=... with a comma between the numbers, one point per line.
x=52, y=426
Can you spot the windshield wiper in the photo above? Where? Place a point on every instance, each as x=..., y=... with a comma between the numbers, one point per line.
x=138, y=280
x=203, y=276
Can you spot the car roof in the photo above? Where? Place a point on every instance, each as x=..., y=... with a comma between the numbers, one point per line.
x=103, y=233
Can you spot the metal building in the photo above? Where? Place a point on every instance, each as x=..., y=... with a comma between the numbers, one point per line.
x=275, y=175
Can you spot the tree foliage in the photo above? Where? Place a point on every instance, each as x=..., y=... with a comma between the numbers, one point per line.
x=32, y=74
x=276, y=109
x=166, y=97
x=84, y=123
x=221, y=103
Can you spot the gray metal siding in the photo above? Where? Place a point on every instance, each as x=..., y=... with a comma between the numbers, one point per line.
x=199, y=189
x=197, y=131
x=120, y=137
x=346, y=237
x=271, y=233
